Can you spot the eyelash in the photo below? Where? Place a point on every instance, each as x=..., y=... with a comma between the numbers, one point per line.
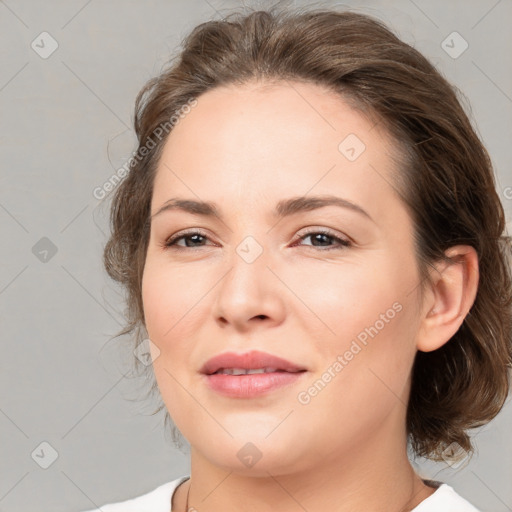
x=170, y=243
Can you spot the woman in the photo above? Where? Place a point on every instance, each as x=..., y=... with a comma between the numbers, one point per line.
x=311, y=238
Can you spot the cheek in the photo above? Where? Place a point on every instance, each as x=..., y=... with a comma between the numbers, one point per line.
x=366, y=337
x=364, y=376
x=168, y=309
x=174, y=308
x=168, y=299
x=346, y=300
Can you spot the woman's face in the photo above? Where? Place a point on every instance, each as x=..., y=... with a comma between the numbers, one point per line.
x=331, y=288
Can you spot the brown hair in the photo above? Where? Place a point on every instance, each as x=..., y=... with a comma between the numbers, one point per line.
x=447, y=182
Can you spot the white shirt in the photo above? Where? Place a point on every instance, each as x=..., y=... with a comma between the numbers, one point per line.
x=444, y=499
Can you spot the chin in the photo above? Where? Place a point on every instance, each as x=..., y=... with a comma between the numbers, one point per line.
x=251, y=455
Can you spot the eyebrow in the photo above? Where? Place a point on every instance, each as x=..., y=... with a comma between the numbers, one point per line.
x=284, y=208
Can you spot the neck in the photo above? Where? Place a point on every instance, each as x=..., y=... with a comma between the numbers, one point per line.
x=374, y=476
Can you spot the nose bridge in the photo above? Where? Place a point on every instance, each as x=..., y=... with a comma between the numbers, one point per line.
x=246, y=280
x=248, y=290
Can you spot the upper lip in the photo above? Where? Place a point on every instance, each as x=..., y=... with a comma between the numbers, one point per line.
x=248, y=360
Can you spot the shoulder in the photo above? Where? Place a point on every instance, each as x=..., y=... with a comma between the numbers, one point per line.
x=157, y=500
x=445, y=499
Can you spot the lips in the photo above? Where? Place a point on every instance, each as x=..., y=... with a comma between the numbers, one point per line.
x=249, y=361
x=227, y=374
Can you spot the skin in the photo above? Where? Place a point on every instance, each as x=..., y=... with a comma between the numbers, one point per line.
x=246, y=148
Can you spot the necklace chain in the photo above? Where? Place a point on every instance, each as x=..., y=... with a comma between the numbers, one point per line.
x=188, y=492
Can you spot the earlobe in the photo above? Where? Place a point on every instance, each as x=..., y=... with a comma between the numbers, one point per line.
x=450, y=297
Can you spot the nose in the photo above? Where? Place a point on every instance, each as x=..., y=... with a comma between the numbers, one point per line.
x=249, y=296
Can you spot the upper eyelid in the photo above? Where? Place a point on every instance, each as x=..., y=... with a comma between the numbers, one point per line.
x=343, y=239
x=192, y=231
x=173, y=239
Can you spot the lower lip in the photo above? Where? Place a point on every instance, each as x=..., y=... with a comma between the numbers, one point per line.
x=252, y=385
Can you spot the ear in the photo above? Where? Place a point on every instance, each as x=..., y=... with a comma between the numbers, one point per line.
x=449, y=298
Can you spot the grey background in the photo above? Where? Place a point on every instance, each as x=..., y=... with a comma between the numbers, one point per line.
x=65, y=129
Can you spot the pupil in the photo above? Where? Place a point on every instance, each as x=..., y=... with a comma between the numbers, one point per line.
x=316, y=237
x=194, y=238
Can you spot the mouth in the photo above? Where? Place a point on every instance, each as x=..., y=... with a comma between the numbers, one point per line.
x=250, y=374
x=251, y=371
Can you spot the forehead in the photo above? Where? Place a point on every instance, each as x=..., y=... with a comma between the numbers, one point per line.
x=237, y=116
x=282, y=138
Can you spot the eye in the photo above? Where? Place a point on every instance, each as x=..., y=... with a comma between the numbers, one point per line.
x=194, y=237
x=319, y=238
x=324, y=238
